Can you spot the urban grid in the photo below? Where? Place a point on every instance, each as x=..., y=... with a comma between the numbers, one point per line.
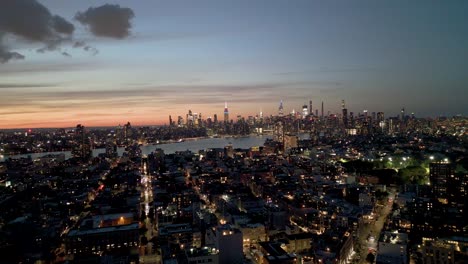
x=353, y=187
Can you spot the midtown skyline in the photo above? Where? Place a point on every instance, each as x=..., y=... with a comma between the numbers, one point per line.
x=67, y=65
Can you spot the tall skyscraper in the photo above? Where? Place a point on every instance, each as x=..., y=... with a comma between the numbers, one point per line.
x=305, y=111
x=190, y=118
x=180, y=121
x=345, y=113
x=226, y=113
x=280, y=109
x=322, y=109
x=311, y=110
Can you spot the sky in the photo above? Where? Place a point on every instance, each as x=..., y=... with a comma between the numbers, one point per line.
x=103, y=63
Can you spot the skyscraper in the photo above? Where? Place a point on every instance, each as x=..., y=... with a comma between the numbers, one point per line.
x=311, y=110
x=305, y=111
x=322, y=109
x=345, y=114
x=226, y=113
x=280, y=109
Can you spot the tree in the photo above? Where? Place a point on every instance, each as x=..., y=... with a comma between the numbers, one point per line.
x=413, y=174
x=386, y=176
x=380, y=195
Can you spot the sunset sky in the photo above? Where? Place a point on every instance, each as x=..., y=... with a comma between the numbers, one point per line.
x=103, y=63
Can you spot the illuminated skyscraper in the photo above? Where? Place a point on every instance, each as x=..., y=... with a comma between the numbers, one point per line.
x=226, y=113
x=189, y=118
x=305, y=111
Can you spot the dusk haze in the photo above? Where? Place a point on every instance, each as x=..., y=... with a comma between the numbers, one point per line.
x=173, y=56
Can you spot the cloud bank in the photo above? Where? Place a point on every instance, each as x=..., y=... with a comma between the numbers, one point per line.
x=108, y=20
x=31, y=22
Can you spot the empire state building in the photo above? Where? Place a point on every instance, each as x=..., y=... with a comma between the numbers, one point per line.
x=226, y=113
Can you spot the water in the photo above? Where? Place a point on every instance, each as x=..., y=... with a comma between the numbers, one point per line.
x=192, y=145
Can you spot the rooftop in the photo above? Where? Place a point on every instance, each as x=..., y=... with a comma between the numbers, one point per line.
x=394, y=238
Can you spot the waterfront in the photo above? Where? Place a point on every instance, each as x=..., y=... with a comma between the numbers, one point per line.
x=193, y=145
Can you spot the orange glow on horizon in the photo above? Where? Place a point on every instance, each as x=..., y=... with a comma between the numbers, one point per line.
x=103, y=117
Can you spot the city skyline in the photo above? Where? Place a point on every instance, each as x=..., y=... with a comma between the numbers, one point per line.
x=67, y=66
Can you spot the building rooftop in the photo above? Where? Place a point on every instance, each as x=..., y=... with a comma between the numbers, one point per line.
x=198, y=252
x=77, y=232
x=394, y=238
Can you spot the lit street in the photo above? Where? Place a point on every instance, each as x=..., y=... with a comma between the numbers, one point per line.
x=146, y=252
x=368, y=233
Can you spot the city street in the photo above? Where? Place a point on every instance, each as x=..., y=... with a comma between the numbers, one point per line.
x=146, y=253
x=368, y=233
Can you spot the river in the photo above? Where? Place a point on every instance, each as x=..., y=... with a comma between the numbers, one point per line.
x=193, y=145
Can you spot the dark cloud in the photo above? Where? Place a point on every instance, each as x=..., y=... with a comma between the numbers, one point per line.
x=6, y=55
x=107, y=20
x=31, y=21
x=63, y=26
x=85, y=47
